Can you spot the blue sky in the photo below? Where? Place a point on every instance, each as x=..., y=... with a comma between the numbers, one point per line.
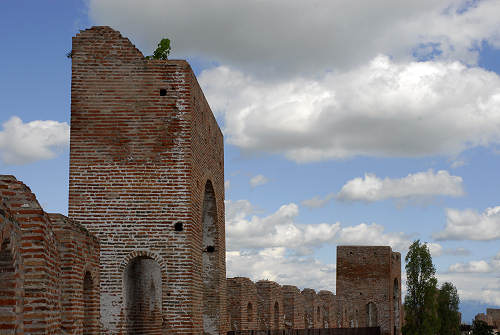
x=343, y=124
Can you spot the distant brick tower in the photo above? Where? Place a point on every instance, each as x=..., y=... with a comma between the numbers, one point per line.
x=147, y=177
x=370, y=279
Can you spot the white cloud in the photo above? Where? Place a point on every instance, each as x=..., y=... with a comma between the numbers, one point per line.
x=258, y=180
x=318, y=202
x=23, y=143
x=477, y=266
x=472, y=266
x=419, y=185
x=227, y=184
x=303, y=37
x=383, y=109
x=280, y=229
x=470, y=225
x=274, y=264
x=482, y=287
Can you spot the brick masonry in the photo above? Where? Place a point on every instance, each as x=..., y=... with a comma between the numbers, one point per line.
x=370, y=279
x=44, y=261
x=242, y=304
x=492, y=317
x=147, y=178
x=293, y=305
x=288, y=308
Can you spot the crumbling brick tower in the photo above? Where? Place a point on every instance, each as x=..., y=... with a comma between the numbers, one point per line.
x=370, y=279
x=147, y=177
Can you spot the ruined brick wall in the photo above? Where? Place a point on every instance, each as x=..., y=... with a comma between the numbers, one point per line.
x=11, y=273
x=494, y=313
x=293, y=306
x=329, y=308
x=146, y=176
x=484, y=317
x=397, y=300
x=241, y=304
x=313, y=309
x=48, y=256
x=207, y=210
x=270, y=305
x=369, y=277
x=79, y=257
x=40, y=258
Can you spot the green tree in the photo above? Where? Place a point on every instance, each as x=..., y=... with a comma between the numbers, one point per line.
x=448, y=315
x=420, y=301
x=162, y=51
x=479, y=327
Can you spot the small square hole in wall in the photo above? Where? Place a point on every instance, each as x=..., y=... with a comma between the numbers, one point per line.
x=163, y=92
x=178, y=226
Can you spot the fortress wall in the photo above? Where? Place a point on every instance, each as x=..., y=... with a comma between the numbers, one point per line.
x=146, y=176
x=293, y=304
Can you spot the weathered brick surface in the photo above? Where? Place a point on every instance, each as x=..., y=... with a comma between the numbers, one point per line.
x=329, y=309
x=485, y=318
x=293, y=305
x=270, y=305
x=371, y=275
x=50, y=255
x=313, y=315
x=146, y=156
x=79, y=257
x=241, y=304
x=494, y=313
x=11, y=274
x=39, y=256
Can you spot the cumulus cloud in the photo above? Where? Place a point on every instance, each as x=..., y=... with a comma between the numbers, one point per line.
x=22, y=143
x=384, y=108
x=244, y=229
x=419, y=185
x=302, y=37
x=480, y=266
x=472, y=266
x=470, y=225
x=318, y=202
x=482, y=287
x=277, y=265
x=258, y=180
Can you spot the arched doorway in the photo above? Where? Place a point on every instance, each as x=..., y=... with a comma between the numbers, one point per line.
x=371, y=315
x=210, y=266
x=143, y=296
x=396, y=306
x=8, y=288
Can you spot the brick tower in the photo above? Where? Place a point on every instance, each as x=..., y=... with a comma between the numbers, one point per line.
x=370, y=279
x=147, y=177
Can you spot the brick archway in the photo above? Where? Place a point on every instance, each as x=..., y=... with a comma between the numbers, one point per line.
x=210, y=273
x=145, y=291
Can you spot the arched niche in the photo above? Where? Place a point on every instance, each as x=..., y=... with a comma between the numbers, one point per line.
x=209, y=258
x=90, y=312
x=396, y=299
x=143, y=296
x=249, y=315
x=371, y=315
x=276, y=315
